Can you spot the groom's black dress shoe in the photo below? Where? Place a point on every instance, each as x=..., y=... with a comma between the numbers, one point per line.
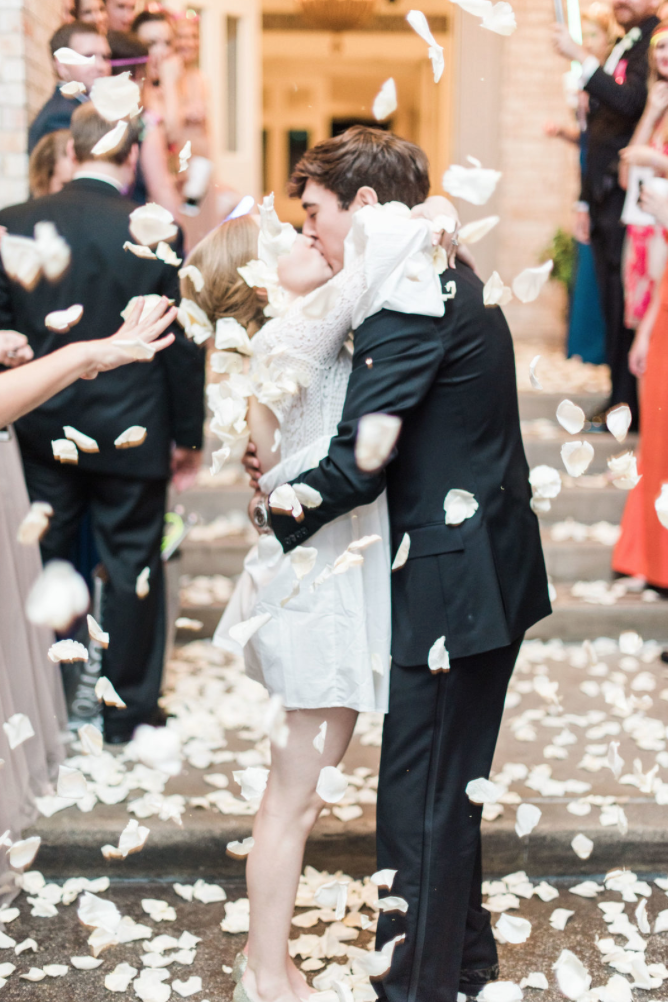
x=473, y=980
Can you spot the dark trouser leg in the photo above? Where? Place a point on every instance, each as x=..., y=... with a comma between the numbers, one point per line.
x=607, y=240
x=480, y=960
x=128, y=517
x=66, y=490
x=440, y=733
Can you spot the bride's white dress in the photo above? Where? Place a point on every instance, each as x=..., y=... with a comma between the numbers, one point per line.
x=328, y=645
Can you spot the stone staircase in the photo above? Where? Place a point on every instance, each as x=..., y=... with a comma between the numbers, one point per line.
x=589, y=500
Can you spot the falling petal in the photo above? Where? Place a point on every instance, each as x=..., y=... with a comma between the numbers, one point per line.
x=72, y=89
x=474, y=184
x=582, y=846
x=230, y=334
x=402, y=553
x=533, y=378
x=142, y=586
x=332, y=785
x=545, y=482
x=253, y=781
x=194, y=275
x=35, y=524
x=165, y=253
x=438, y=658
x=308, y=496
x=106, y=693
x=58, y=596
x=303, y=560
x=91, y=739
x=570, y=417
x=618, y=421
x=483, y=791
x=661, y=506
x=500, y=19
x=112, y=139
x=473, y=232
x=17, y=730
x=385, y=102
x=149, y=224
x=96, y=633
x=132, y=437
x=67, y=651
x=384, y=878
x=139, y=250
x=23, y=852
x=60, y=321
x=83, y=442
x=68, y=57
x=577, y=457
x=526, y=819
x=376, y=437
x=319, y=739
x=495, y=293
x=624, y=469
x=528, y=284
x=419, y=23
x=458, y=506
x=65, y=451
x=239, y=850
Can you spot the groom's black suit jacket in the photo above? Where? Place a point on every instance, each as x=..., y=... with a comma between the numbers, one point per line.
x=452, y=381
x=166, y=396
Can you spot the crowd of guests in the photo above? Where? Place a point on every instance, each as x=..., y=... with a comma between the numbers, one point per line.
x=620, y=300
x=160, y=50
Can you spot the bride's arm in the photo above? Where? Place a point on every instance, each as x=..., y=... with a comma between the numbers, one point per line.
x=263, y=425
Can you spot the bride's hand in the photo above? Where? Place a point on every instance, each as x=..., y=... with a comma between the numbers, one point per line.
x=444, y=220
x=252, y=466
x=110, y=353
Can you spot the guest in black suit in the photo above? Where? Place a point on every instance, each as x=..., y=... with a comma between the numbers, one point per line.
x=480, y=584
x=124, y=488
x=85, y=39
x=618, y=92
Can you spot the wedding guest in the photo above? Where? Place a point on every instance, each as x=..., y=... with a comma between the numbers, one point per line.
x=125, y=488
x=87, y=41
x=164, y=71
x=642, y=548
x=92, y=12
x=51, y=164
x=120, y=14
x=154, y=182
x=586, y=328
x=645, y=249
x=29, y=682
x=619, y=87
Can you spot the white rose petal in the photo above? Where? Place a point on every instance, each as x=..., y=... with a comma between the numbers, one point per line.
x=393, y=903
x=332, y=785
x=303, y=560
x=572, y=976
x=495, y=293
x=477, y=230
x=458, y=506
x=86, y=963
x=23, y=852
x=112, y=139
x=139, y=251
x=376, y=437
x=239, y=850
x=559, y=918
x=119, y=979
x=545, y=482
x=483, y=791
x=72, y=783
x=661, y=506
x=513, y=929
x=194, y=275
x=242, y=632
x=474, y=184
x=237, y=915
x=253, y=781
x=309, y=497
x=501, y=991
x=385, y=102
x=582, y=846
x=65, y=451
x=21, y=259
x=83, y=442
x=68, y=57
x=72, y=89
x=17, y=730
x=570, y=417
x=150, y=303
x=116, y=97
x=618, y=421
x=60, y=321
x=165, y=253
x=526, y=819
x=500, y=19
x=106, y=693
x=577, y=457
x=54, y=251
x=333, y=894
x=230, y=334
x=132, y=437
x=68, y=651
x=534, y=980
x=149, y=224
x=625, y=471
x=187, y=988
x=384, y=878
x=35, y=524
x=91, y=739
x=142, y=586
x=528, y=284
x=320, y=738
x=96, y=632
x=56, y=970
x=34, y=974
x=419, y=23
x=403, y=550
x=438, y=658
x=533, y=378
x=618, y=989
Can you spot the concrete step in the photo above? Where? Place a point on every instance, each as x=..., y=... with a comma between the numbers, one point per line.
x=548, y=451
x=573, y=619
x=587, y=504
x=544, y=405
x=577, y=561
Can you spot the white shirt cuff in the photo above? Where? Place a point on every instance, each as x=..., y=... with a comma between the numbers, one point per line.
x=589, y=67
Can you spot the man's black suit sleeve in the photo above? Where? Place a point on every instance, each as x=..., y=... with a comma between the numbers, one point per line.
x=395, y=363
x=627, y=98
x=184, y=363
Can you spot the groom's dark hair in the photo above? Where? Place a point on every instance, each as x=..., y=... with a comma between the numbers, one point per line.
x=397, y=170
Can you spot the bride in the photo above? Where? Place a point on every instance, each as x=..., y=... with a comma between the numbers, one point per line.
x=313, y=625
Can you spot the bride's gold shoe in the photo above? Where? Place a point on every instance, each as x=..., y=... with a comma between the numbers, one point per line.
x=240, y=993
x=239, y=967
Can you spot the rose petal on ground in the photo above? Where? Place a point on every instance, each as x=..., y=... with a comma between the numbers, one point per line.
x=23, y=852
x=572, y=976
x=239, y=850
x=72, y=783
x=582, y=846
x=560, y=917
x=526, y=819
x=513, y=929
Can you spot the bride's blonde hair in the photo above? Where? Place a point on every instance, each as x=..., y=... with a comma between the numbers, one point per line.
x=218, y=256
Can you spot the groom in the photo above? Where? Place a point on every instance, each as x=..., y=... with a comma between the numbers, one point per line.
x=480, y=584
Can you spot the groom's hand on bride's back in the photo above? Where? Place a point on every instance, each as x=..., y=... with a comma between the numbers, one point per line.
x=252, y=466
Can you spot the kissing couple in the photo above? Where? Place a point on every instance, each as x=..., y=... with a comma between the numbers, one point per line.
x=399, y=579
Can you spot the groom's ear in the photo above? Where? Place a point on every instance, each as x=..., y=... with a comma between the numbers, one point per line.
x=365, y=196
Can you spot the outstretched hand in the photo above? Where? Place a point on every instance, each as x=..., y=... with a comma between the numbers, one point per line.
x=127, y=344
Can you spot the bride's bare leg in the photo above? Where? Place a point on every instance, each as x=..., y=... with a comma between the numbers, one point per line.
x=289, y=809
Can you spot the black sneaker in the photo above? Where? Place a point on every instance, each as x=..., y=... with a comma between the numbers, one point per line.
x=473, y=980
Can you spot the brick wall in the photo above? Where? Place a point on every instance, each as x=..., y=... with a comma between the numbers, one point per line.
x=540, y=175
x=26, y=80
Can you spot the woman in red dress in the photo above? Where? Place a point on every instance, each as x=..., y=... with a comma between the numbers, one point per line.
x=642, y=549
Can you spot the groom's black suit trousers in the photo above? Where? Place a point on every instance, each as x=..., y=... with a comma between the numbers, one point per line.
x=440, y=733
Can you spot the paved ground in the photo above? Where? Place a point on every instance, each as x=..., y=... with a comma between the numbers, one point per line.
x=62, y=937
